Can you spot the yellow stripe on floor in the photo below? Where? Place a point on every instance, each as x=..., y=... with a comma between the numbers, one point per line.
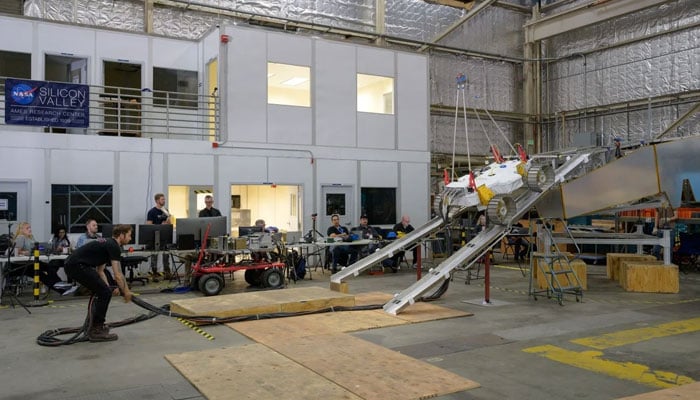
x=637, y=335
x=591, y=360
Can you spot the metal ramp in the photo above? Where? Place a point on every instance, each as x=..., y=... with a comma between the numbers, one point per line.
x=560, y=276
x=389, y=250
x=468, y=254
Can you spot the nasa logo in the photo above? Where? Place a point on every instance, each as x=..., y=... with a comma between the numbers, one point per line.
x=23, y=94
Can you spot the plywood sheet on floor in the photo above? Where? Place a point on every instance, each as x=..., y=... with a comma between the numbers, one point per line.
x=423, y=312
x=685, y=392
x=253, y=372
x=262, y=302
x=268, y=331
x=369, y=370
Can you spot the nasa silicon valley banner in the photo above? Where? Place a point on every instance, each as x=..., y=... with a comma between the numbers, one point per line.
x=46, y=103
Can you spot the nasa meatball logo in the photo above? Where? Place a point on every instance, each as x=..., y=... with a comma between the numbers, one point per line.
x=23, y=94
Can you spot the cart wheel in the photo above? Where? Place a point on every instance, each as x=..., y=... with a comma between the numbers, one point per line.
x=272, y=278
x=211, y=284
x=252, y=276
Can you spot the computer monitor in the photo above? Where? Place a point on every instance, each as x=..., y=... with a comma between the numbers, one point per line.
x=198, y=226
x=107, y=229
x=156, y=237
x=249, y=230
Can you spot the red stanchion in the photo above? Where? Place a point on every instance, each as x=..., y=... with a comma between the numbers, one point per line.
x=487, y=277
x=419, y=262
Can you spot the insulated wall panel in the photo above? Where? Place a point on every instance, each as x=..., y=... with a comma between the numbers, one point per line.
x=288, y=124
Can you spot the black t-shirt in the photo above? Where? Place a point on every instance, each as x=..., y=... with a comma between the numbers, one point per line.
x=400, y=228
x=96, y=252
x=156, y=215
x=213, y=212
x=338, y=231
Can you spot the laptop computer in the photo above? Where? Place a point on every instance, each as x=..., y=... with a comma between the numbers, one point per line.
x=294, y=237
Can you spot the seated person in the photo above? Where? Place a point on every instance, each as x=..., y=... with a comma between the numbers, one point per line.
x=24, y=246
x=60, y=244
x=340, y=252
x=366, y=232
x=402, y=228
x=520, y=245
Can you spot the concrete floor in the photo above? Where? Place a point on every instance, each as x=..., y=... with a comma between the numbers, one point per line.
x=500, y=346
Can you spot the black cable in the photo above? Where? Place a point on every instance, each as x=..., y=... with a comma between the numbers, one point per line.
x=49, y=337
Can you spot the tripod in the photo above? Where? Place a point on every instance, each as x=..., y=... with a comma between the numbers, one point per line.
x=7, y=269
x=313, y=233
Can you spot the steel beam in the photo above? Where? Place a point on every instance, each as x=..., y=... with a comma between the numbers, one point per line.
x=474, y=11
x=584, y=15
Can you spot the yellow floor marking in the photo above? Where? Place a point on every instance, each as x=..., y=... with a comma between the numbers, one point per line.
x=591, y=360
x=637, y=335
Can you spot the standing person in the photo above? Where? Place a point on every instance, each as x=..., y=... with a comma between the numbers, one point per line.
x=340, y=253
x=159, y=215
x=90, y=233
x=403, y=227
x=86, y=265
x=209, y=210
x=618, y=149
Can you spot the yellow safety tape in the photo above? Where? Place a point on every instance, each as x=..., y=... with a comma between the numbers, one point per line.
x=592, y=361
x=629, y=336
x=196, y=328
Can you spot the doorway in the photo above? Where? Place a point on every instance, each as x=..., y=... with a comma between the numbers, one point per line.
x=59, y=68
x=337, y=199
x=14, y=201
x=122, y=99
x=278, y=205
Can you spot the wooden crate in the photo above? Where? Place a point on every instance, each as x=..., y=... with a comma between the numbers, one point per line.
x=624, y=264
x=614, y=259
x=579, y=267
x=645, y=277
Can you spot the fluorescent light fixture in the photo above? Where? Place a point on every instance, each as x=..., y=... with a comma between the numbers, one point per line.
x=294, y=81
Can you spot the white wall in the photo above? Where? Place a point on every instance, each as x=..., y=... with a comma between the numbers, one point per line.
x=327, y=143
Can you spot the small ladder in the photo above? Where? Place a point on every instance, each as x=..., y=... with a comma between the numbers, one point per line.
x=556, y=268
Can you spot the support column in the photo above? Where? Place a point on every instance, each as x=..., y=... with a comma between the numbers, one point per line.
x=379, y=23
x=148, y=16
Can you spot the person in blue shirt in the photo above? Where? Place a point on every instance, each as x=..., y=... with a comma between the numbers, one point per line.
x=159, y=215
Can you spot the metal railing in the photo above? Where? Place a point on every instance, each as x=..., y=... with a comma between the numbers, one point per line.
x=120, y=111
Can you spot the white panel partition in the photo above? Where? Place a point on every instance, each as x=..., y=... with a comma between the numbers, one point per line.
x=16, y=35
x=189, y=169
x=288, y=124
x=379, y=174
x=412, y=102
x=376, y=131
x=134, y=196
x=289, y=49
x=121, y=46
x=59, y=39
x=414, y=193
x=175, y=54
x=82, y=167
x=335, y=95
x=247, y=85
x=242, y=170
x=374, y=61
x=341, y=172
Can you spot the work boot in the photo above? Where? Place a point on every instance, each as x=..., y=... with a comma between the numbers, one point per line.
x=100, y=333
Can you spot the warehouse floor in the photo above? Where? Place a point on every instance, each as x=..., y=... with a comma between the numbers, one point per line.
x=516, y=348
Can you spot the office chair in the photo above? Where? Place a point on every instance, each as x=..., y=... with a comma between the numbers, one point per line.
x=132, y=262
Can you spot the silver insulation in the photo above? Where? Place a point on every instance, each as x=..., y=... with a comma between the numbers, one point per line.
x=605, y=64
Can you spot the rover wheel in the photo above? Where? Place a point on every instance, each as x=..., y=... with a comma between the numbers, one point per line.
x=252, y=276
x=540, y=177
x=501, y=209
x=211, y=284
x=272, y=278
